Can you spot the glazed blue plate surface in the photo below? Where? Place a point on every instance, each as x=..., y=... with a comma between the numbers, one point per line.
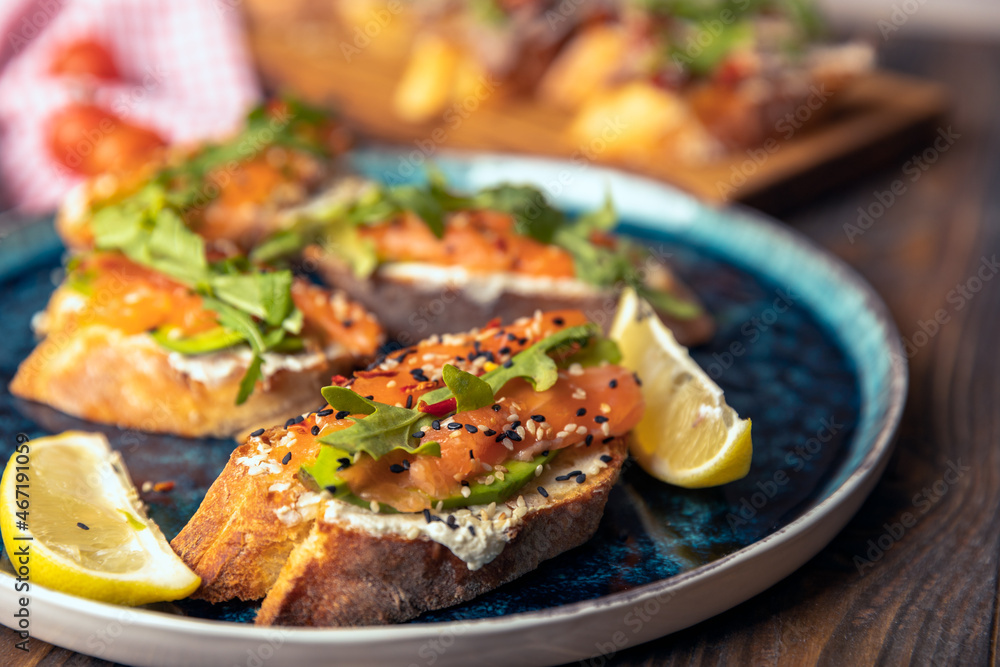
x=803, y=348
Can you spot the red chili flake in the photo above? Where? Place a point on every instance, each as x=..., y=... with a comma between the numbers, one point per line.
x=340, y=380
x=495, y=322
x=440, y=409
x=163, y=487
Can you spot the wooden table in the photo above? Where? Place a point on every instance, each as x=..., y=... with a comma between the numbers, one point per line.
x=932, y=597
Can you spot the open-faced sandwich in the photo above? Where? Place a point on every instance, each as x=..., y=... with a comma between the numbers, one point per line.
x=427, y=260
x=153, y=331
x=231, y=192
x=445, y=470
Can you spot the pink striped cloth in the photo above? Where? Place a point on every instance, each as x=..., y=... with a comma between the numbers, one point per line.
x=185, y=68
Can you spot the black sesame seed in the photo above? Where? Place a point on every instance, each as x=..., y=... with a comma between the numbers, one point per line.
x=258, y=432
x=589, y=439
x=500, y=437
x=464, y=483
x=470, y=428
x=290, y=422
x=581, y=478
x=569, y=475
x=82, y=525
x=538, y=418
x=581, y=412
x=406, y=464
x=607, y=439
x=562, y=478
x=286, y=459
x=300, y=419
x=516, y=424
x=409, y=402
x=417, y=434
x=496, y=407
x=508, y=363
x=523, y=341
x=370, y=397
x=472, y=531
x=342, y=414
x=396, y=468
x=331, y=488
x=471, y=356
x=476, y=345
x=454, y=426
x=314, y=430
x=505, y=350
x=453, y=526
x=452, y=520
x=545, y=453
x=344, y=462
x=558, y=321
x=512, y=435
x=320, y=408
x=436, y=424
x=427, y=515
x=511, y=337
x=402, y=355
x=490, y=357
x=435, y=517
x=606, y=458
x=600, y=419
x=324, y=413
x=489, y=432
x=348, y=324
x=471, y=455
x=613, y=384
x=541, y=490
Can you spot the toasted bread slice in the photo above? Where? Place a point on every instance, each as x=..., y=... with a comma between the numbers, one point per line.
x=104, y=375
x=359, y=568
x=423, y=299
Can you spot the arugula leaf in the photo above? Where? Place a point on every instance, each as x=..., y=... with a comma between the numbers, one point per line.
x=669, y=304
x=423, y=203
x=238, y=321
x=533, y=364
x=471, y=393
x=383, y=429
x=533, y=215
x=264, y=295
x=280, y=245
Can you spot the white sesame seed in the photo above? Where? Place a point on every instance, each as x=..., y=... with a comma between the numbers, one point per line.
x=532, y=425
x=581, y=430
x=512, y=417
x=390, y=383
x=499, y=475
x=508, y=443
x=561, y=434
x=545, y=425
x=605, y=407
x=538, y=470
x=575, y=369
x=439, y=506
x=374, y=506
x=486, y=466
x=570, y=427
x=579, y=394
x=606, y=428
x=466, y=492
x=520, y=431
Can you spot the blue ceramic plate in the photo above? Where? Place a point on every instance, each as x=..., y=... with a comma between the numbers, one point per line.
x=804, y=348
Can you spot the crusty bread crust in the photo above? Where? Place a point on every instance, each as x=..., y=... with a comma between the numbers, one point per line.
x=104, y=375
x=406, y=309
x=235, y=542
x=341, y=576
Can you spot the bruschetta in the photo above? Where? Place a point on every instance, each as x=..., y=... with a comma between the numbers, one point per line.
x=446, y=469
x=427, y=260
x=229, y=192
x=148, y=333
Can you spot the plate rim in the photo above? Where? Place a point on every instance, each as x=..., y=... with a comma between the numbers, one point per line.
x=866, y=472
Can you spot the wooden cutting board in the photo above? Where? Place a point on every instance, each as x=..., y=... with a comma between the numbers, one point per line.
x=867, y=124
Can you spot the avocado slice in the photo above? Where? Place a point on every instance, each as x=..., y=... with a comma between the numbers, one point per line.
x=324, y=474
x=214, y=340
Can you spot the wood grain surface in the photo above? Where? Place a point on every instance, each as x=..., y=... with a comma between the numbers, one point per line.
x=931, y=597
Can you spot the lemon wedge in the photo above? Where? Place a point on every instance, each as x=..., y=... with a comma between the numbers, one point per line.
x=72, y=518
x=688, y=436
